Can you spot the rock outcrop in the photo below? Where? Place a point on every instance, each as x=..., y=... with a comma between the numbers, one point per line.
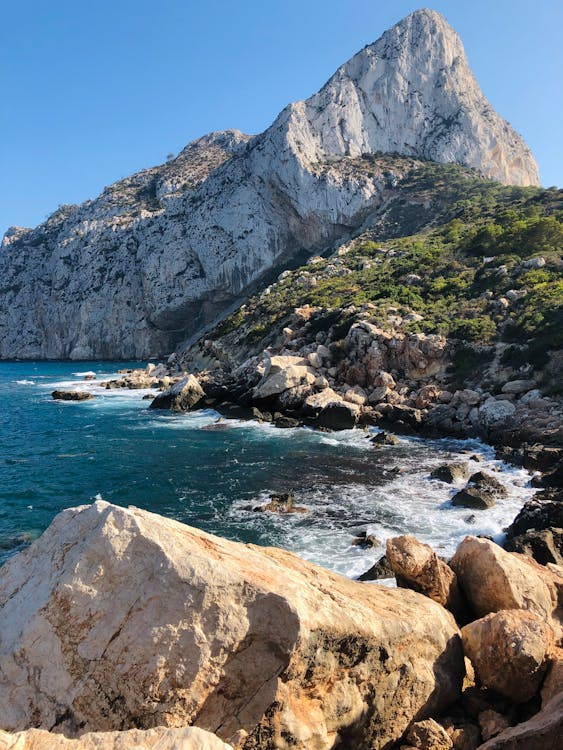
x=162, y=254
x=118, y=618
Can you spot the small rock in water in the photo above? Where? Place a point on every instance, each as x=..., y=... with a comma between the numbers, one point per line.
x=365, y=540
x=384, y=438
x=284, y=503
x=481, y=492
x=450, y=472
x=71, y=395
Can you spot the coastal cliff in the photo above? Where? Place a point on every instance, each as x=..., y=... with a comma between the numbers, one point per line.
x=161, y=255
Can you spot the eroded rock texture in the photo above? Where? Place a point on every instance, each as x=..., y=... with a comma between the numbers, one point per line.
x=117, y=618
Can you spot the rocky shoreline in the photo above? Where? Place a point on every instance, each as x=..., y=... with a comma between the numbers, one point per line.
x=121, y=629
x=290, y=391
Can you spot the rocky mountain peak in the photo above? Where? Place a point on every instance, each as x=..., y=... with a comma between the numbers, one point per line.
x=162, y=255
x=411, y=92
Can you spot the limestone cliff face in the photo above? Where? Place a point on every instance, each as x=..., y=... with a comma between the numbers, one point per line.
x=160, y=255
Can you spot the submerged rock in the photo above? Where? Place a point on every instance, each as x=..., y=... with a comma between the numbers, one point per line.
x=384, y=438
x=118, y=618
x=71, y=395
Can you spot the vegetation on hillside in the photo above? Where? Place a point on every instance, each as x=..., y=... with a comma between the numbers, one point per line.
x=492, y=271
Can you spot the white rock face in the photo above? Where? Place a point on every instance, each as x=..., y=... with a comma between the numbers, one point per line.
x=117, y=618
x=158, y=256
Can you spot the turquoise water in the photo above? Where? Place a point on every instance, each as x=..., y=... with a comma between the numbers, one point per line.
x=56, y=455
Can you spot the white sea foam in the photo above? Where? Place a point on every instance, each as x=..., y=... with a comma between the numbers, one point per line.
x=25, y=382
x=88, y=373
x=410, y=503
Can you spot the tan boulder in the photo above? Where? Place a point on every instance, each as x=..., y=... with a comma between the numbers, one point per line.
x=510, y=652
x=161, y=738
x=116, y=618
x=417, y=566
x=429, y=735
x=282, y=373
x=318, y=401
x=493, y=579
x=542, y=732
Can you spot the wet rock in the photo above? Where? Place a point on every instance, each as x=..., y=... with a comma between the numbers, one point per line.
x=429, y=735
x=537, y=530
x=284, y=421
x=493, y=580
x=481, y=492
x=377, y=571
x=545, y=546
x=182, y=396
x=133, y=619
x=366, y=541
x=342, y=416
x=416, y=566
x=485, y=481
x=284, y=503
x=451, y=472
x=261, y=416
x=510, y=652
x=473, y=497
x=71, y=395
x=384, y=438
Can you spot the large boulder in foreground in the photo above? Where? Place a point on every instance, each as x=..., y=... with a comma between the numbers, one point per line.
x=118, y=618
x=162, y=738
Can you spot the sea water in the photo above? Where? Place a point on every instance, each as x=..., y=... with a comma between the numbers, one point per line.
x=211, y=474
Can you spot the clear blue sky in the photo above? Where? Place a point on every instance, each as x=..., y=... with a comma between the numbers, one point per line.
x=92, y=91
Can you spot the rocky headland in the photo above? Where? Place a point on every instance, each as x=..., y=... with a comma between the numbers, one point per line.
x=124, y=629
x=160, y=256
x=380, y=257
